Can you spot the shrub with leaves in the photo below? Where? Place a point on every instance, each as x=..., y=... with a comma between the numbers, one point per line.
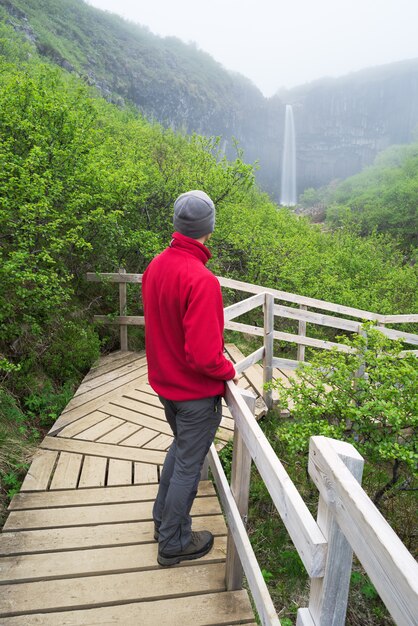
x=377, y=412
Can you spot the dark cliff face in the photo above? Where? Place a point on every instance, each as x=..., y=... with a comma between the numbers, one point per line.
x=340, y=124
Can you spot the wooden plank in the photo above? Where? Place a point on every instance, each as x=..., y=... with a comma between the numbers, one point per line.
x=133, y=411
x=119, y=472
x=227, y=423
x=224, y=434
x=124, y=401
x=257, y=331
x=310, y=341
x=123, y=329
x=95, y=514
x=72, y=415
x=252, y=374
x=111, y=588
x=83, y=423
x=94, y=561
x=249, y=360
x=97, y=536
x=297, y=299
x=143, y=396
x=103, y=495
x=304, y=618
x=302, y=333
x=145, y=473
x=93, y=383
x=67, y=471
x=409, y=338
x=240, y=489
x=301, y=526
x=111, y=385
x=161, y=442
x=39, y=471
x=248, y=559
x=107, y=450
x=112, y=357
x=400, y=319
x=109, y=277
x=284, y=364
x=140, y=438
x=100, y=429
x=124, y=359
x=239, y=308
x=329, y=595
x=268, y=349
x=123, y=320
x=391, y=568
x=93, y=472
x=210, y=608
x=119, y=434
x=320, y=319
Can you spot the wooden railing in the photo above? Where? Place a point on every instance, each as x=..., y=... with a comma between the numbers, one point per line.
x=265, y=297
x=347, y=520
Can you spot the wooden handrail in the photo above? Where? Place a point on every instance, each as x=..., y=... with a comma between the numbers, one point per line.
x=347, y=521
x=264, y=295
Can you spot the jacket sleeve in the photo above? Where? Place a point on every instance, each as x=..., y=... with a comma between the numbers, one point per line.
x=203, y=325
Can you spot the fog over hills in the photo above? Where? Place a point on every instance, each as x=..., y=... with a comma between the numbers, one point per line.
x=340, y=123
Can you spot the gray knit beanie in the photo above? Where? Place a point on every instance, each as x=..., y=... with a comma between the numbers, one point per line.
x=194, y=214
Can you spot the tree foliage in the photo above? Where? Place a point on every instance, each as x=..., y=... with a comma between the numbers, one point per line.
x=367, y=396
x=383, y=198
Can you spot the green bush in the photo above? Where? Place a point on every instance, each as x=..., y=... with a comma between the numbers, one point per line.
x=368, y=397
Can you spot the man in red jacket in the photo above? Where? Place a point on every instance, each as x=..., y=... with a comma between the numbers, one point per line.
x=184, y=325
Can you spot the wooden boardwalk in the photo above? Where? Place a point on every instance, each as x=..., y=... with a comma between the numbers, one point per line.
x=78, y=547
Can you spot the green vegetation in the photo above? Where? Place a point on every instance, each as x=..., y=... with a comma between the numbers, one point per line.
x=351, y=396
x=85, y=186
x=383, y=198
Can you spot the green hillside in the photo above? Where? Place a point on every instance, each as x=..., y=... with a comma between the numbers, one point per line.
x=175, y=82
x=383, y=198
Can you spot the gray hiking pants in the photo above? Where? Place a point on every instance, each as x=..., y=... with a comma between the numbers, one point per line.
x=194, y=424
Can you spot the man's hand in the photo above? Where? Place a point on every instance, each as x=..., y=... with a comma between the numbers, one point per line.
x=235, y=379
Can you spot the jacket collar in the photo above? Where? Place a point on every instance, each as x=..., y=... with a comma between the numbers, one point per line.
x=192, y=246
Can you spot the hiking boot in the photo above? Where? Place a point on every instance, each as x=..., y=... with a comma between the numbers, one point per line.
x=200, y=544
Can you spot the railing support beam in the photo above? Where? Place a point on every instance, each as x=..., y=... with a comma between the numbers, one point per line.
x=329, y=595
x=240, y=487
x=302, y=333
x=268, y=347
x=122, y=311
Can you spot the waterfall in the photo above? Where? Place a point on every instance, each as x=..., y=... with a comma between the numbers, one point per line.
x=288, y=191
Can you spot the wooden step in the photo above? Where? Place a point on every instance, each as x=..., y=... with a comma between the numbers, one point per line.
x=227, y=608
x=104, y=495
x=91, y=591
x=93, y=514
x=94, y=561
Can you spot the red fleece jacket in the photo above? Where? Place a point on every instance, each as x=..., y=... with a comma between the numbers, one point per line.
x=184, y=323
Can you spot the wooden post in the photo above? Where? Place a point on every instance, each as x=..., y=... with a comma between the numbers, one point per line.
x=240, y=487
x=360, y=373
x=302, y=333
x=122, y=311
x=268, y=347
x=329, y=595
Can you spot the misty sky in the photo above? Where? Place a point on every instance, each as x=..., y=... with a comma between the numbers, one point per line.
x=283, y=44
